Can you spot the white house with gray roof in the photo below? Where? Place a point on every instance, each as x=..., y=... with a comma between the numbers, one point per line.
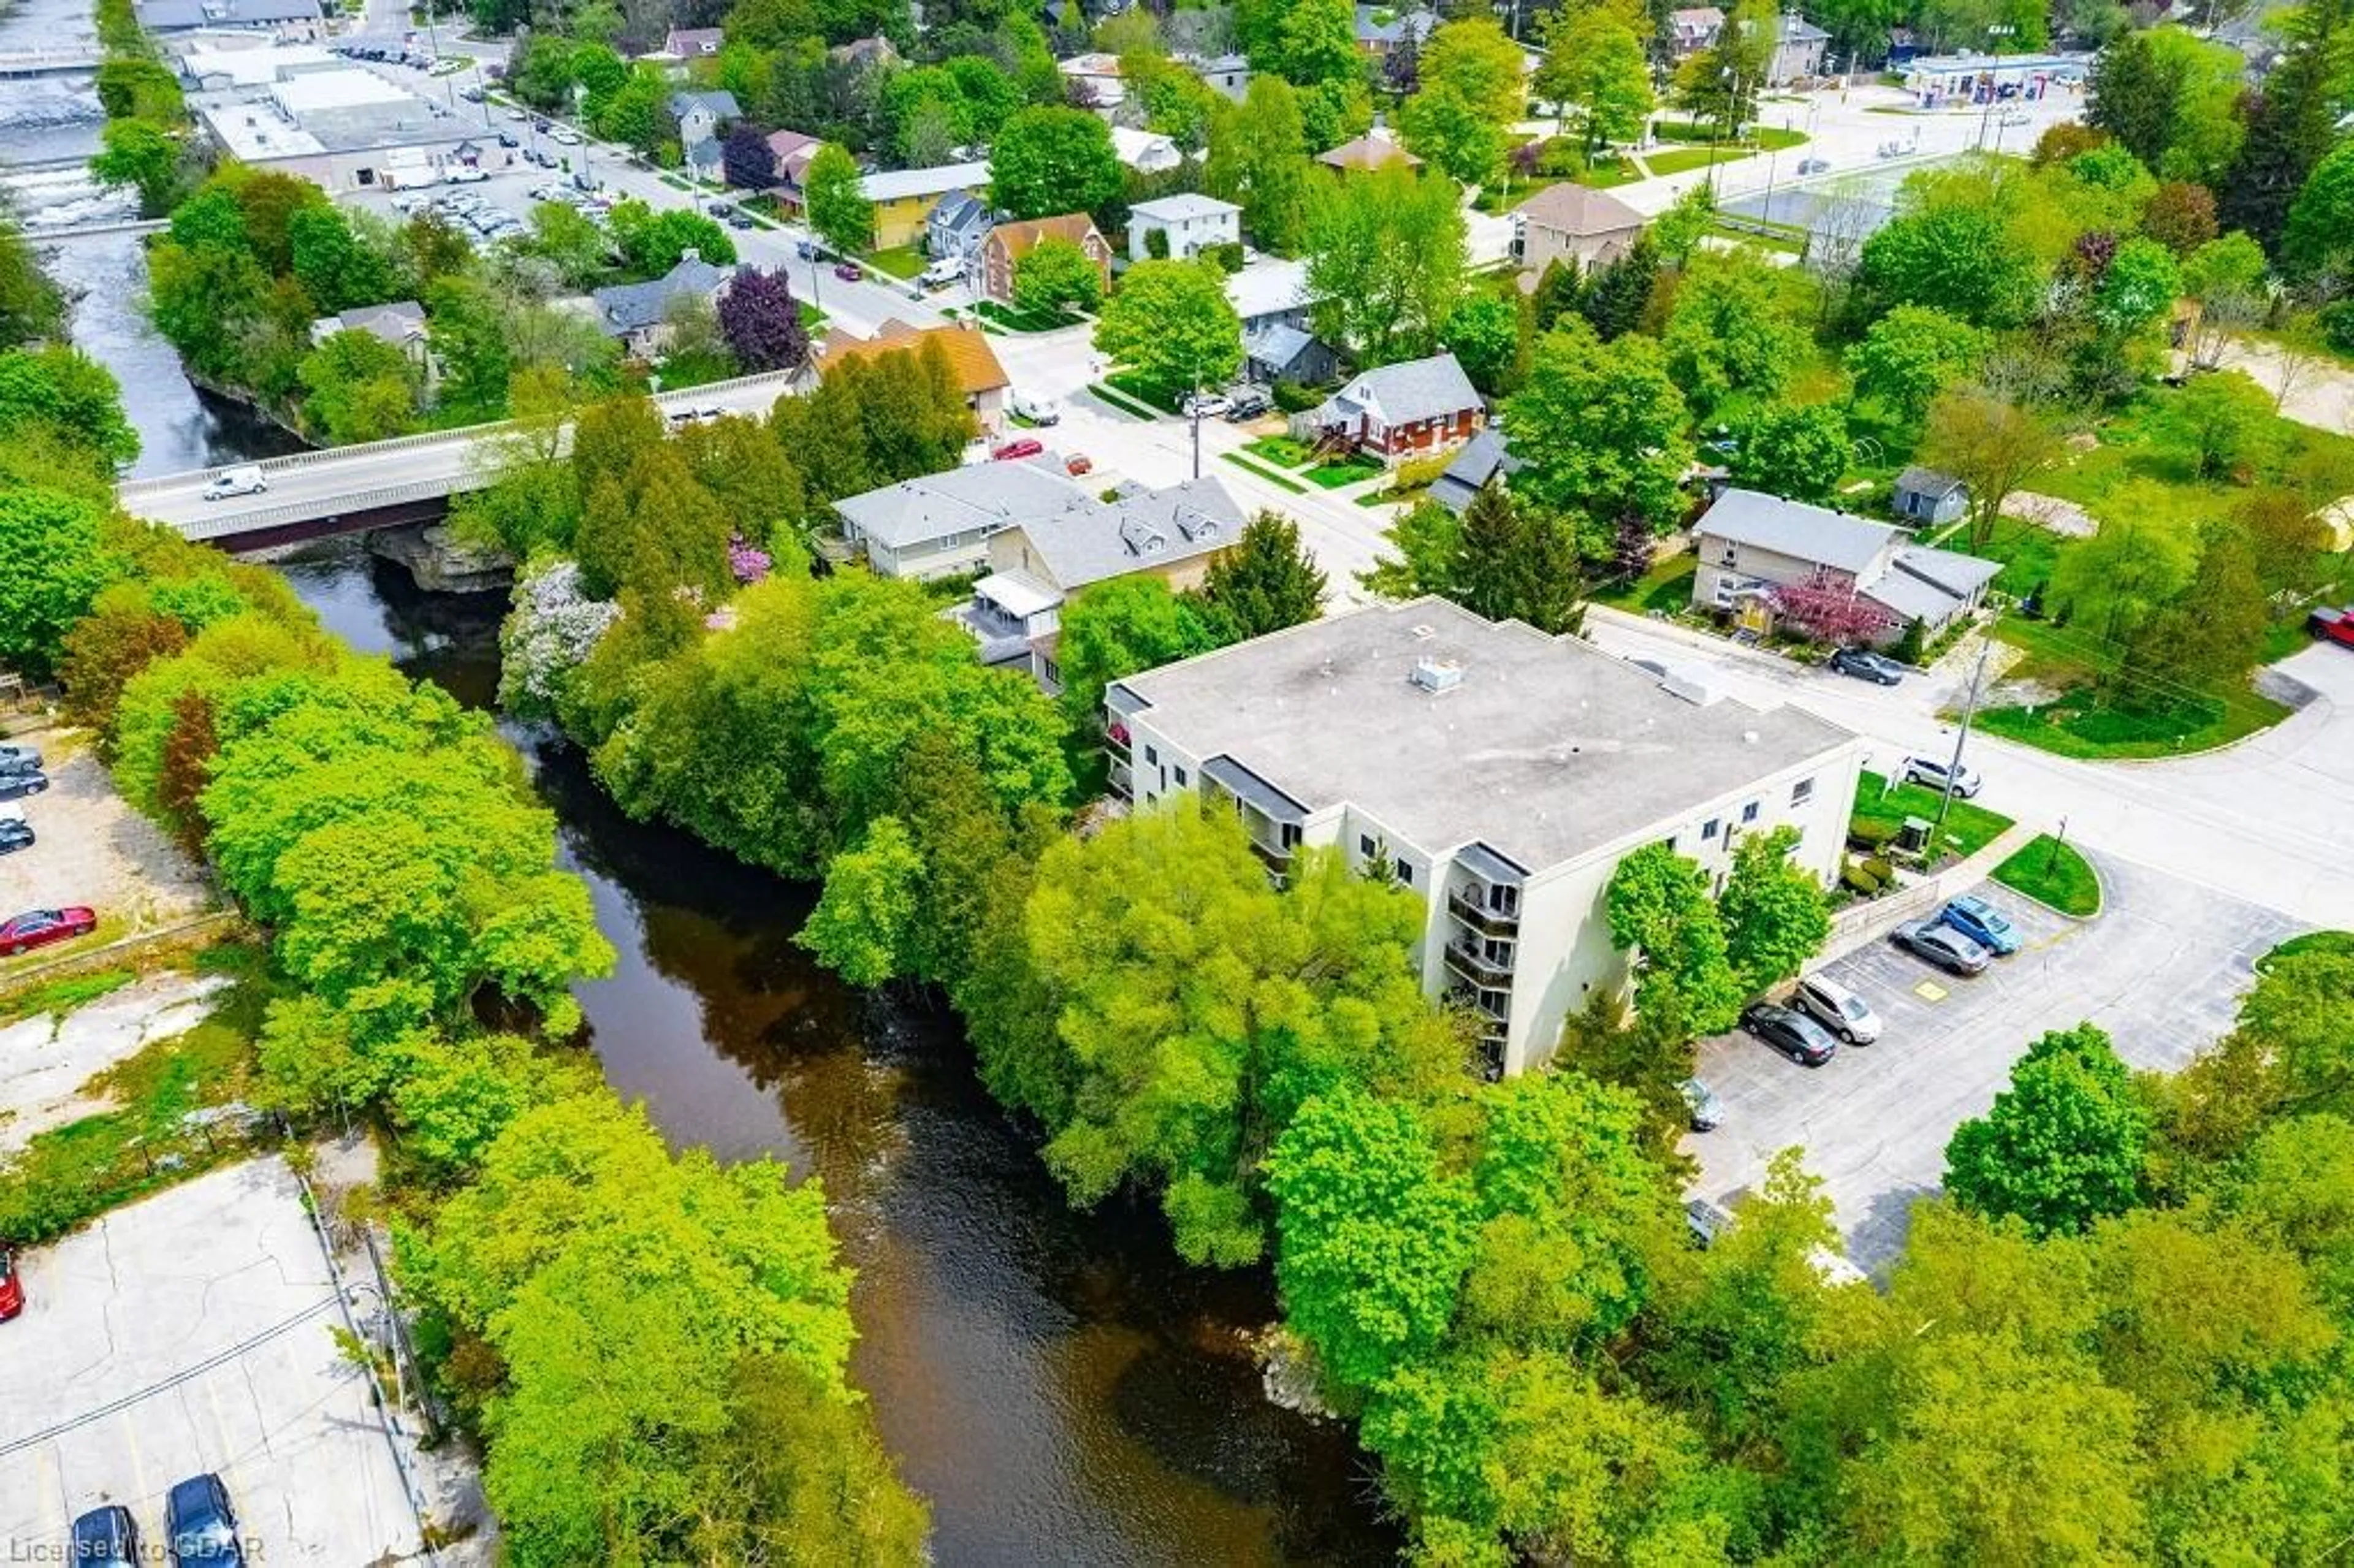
x=701, y=116
x=1398, y=410
x=640, y=314
x=1750, y=543
x=1499, y=774
x=939, y=526
x=1188, y=224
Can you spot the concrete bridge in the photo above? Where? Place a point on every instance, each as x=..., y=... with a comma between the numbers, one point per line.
x=76, y=59
x=377, y=484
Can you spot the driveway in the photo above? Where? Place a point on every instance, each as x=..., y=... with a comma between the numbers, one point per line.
x=189, y=1334
x=2161, y=970
x=92, y=848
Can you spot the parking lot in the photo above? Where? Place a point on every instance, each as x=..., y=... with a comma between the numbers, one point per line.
x=91, y=848
x=2162, y=970
x=183, y=1334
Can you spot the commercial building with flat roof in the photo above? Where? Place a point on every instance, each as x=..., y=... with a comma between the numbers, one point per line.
x=1502, y=774
x=342, y=129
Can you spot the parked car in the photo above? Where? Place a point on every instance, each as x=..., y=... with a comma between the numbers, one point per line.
x=1836, y=1009
x=1866, y=665
x=1794, y=1035
x=738, y=218
x=1203, y=404
x=941, y=271
x=107, y=1534
x=12, y=1286
x=805, y=249
x=1814, y=166
x=1024, y=448
x=1707, y=1110
x=202, y=1525
x=1941, y=945
x=245, y=480
x=16, y=786
x=565, y=136
x=1984, y=924
x=1079, y=464
x=1705, y=1220
x=2332, y=625
x=509, y=138
x=15, y=833
x=40, y=927
x=1245, y=406
x=1931, y=772
x=847, y=271
x=1036, y=408
x=16, y=758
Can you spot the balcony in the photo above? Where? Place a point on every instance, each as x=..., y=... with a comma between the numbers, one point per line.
x=1478, y=967
x=1490, y=1019
x=1478, y=916
x=1119, y=781
x=1277, y=859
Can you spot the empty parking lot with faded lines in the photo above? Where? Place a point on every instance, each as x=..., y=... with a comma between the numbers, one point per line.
x=2162, y=970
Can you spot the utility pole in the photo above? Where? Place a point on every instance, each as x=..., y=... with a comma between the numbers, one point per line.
x=1969, y=713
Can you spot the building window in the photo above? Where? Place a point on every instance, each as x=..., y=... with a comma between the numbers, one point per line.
x=1366, y=845
x=1152, y=757
x=1802, y=791
x=1749, y=812
x=1707, y=829
x=1290, y=835
x=1405, y=873
x=1181, y=777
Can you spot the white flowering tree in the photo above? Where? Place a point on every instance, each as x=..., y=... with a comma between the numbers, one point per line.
x=553, y=626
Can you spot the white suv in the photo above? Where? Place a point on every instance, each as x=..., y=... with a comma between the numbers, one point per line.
x=1837, y=1009
x=246, y=481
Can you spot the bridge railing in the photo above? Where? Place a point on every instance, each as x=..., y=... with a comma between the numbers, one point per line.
x=230, y=524
x=134, y=488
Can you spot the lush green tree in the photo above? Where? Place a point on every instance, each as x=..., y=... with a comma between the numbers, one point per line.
x=651, y=243
x=1265, y=582
x=2063, y=1146
x=336, y=265
x=1258, y=160
x=1386, y=258
x=1776, y=914
x=2168, y=98
x=2114, y=583
x=1658, y=908
x=1199, y=1007
x=1728, y=331
x=1616, y=298
x=1054, y=277
x=2138, y=287
x=465, y=325
x=1797, y=451
x=1119, y=628
x=1601, y=428
x=2226, y=416
x=838, y=209
x=1961, y=260
x=1517, y=562
x=56, y=565
x=1483, y=332
x=1995, y=446
x=135, y=87
x=71, y=397
x=361, y=388
x=2214, y=630
x=1911, y=355
x=1317, y=44
x=30, y=305
x=1373, y=1238
x=144, y=156
x=569, y=238
x=1594, y=69
x=866, y=921
x=2319, y=238
x=1335, y=111
x=2291, y=123
x=1472, y=94
x=1172, y=323
x=1047, y=162
x=654, y=530
x=637, y=113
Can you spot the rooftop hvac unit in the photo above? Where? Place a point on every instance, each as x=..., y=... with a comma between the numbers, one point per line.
x=1437, y=674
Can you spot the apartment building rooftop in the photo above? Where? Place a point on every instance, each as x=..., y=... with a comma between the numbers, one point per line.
x=1450, y=730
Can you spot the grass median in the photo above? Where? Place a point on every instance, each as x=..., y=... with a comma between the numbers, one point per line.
x=2053, y=872
x=1881, y=810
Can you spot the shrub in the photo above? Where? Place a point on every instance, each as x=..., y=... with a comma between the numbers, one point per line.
x=1296, y=398
x=2337, y=325
x=1856, y=877
x=1156, y=244
x=1420, y=474
x=1229, y=257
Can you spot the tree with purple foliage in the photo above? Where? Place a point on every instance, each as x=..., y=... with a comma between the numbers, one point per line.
x=762, y=321
x=1829, y=610
x=746, y=157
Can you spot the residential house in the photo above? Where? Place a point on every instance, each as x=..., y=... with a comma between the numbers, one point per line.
x=1367, y=152
x=294, y=20
x=1188, y=224
x=1495, y=773
x=1146, y=151
x=1925, y=497
x=956, y=226
x=1798, y=48
x=1484, y=461
x=904, y=199
x=1397, y=410
x=1041, y=559
x=706, y=160
x=1094, y=79
x=640, y=313
x=1692, y=29
x=1749, y=544
x=1570, y=224
x=1281, y=352
x=793, y=153
x=695, y=43
x=1380, y=28
x=939, y=526
x=1270, y=291
x=702, y=116
x=983, y=379
x=1228, y=74
x=1009, y=242
x=400, y=323
x=873, y=50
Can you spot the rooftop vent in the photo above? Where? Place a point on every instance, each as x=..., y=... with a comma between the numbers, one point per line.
x=1424, y=633
x=1437, y=674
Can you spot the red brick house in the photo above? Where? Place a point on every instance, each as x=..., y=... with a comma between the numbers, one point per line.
x=1398, y=410
x=1009, y=242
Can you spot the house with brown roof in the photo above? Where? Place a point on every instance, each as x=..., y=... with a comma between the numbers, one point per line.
x=983, y=379
x=793, y=152
x=1569, y=224
x=1367, y=152
x=1009, y=242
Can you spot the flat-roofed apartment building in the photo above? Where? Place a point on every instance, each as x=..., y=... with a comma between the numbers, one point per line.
x=1500, y=773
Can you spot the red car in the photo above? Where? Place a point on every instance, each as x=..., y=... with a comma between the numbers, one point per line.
x=2332, y=626
x=12, y=1286
x=1021, y=448
x=40, y=927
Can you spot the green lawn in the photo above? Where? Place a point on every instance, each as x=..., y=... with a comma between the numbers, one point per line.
x=1677, y=160
x=900, y=261
x=1122, y=402
x=2053, y=872
x=1968, y=829
x=1666, y=587
x=1622, y=172
x=2077, y=724
x=1141, y=390
x=2335, y=944
x=1022, y=320
x=1341, y=472
x=1763, y=138
x=1280, y=481
x=1283, y=451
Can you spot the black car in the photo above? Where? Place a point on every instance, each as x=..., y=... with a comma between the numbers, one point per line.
x=16, y=786
x=202, y=1525
x=105, y=1535
x=1943, y=946
x=1794, y=1035
x=15, y=834
x=1247, y=406
x=1866, y=665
